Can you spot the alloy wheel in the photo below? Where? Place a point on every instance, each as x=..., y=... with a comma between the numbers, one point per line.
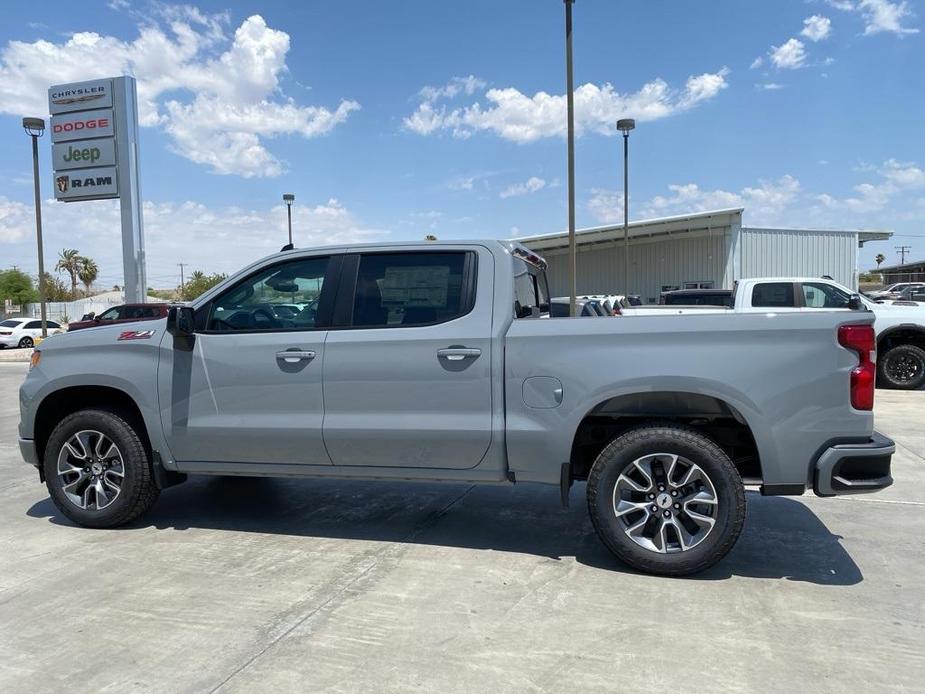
x=91, y=470
x=903, y=368
x=665, y=503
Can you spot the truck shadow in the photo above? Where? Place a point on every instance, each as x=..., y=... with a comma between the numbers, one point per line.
x=783, y=539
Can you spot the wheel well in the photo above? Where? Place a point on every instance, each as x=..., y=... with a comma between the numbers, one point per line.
x=61, y=403
x=910, y=335
x=712, y=417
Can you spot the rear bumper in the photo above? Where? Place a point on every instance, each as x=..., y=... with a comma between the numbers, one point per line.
x=28, y=452
x=854, y=468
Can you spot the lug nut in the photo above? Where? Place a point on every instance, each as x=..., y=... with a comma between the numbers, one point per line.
x=667, y=514
x=651, y=496
x=661, y=487
x=654, y=508
x=677, y=505
x=674, y=492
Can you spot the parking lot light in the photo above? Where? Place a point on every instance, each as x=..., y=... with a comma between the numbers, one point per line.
x=289, y=198
x=35, y=128
x=624, y=125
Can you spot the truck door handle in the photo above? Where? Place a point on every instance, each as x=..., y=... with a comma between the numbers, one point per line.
x=458, y=353
x=293, y=356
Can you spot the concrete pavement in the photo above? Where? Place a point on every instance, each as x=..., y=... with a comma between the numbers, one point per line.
x=321, y=585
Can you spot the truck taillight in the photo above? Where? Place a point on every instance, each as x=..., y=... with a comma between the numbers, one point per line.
x=860, y=339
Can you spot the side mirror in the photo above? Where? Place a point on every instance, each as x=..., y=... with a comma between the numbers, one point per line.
x=855, y=303
x=180, y=321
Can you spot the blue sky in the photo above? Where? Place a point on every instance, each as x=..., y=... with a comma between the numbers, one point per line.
x=398, y=119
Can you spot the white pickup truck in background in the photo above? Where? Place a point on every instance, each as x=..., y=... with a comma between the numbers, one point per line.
x=900, y=326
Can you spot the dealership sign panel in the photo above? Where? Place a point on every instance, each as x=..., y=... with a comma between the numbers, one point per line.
x=78, y=154
x=94, y=135
x=80, y=96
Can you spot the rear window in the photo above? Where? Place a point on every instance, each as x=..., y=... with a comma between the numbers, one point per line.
x=773, y=295
x=407, y=289
x=9, y=323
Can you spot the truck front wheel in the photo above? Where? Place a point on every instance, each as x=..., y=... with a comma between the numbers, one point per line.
x=666, y=500
x=902, y=367
x=97, y=470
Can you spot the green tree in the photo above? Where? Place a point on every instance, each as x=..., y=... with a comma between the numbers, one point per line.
x=69, y=262
x=879, y=259
x=55, y=290
x=16, y=286
x=199, y=283
x=88, y=272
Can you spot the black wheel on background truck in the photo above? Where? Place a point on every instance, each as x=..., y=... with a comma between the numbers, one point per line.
x=902, y=367
x=666, y=500
x=97, y=470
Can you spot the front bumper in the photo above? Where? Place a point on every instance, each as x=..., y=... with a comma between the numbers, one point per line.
x=28, y=452
x=855, y=468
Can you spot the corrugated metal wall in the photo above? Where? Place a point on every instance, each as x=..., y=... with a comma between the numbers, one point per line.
x=794, y=253
x=653, y=263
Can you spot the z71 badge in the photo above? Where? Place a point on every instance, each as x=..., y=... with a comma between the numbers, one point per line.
x=136, y=335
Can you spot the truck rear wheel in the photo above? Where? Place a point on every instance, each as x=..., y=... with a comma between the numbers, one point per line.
x=97, y=470
x=666, y=500
x=902, y=367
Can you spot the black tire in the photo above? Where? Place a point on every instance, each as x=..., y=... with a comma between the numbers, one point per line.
x=902, y=367
x=667, y=438
x=26, y=343
x=138, y=488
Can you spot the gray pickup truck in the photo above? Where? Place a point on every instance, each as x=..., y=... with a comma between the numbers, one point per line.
x=439, y=361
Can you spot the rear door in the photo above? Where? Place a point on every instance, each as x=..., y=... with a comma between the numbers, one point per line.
x=407, y=370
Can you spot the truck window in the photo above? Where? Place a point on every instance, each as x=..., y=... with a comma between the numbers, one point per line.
x=773, y=295
x=251, y=304
x=111, y=314
x=530, y=293
x=820, y=295
x=407, y=289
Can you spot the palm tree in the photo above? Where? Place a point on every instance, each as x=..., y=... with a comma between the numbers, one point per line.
x=879, y=259
x=88, y=272
x=69, y=262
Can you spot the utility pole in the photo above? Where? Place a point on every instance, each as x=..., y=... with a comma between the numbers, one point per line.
x=902, y=250
x=570, y=99
x=182, y=280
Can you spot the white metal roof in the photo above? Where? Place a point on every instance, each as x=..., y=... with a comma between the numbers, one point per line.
x=685, y=223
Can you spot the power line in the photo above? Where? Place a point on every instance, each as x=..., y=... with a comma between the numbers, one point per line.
x=902, y=250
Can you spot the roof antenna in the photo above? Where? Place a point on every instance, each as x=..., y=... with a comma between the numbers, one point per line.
x=287, y=247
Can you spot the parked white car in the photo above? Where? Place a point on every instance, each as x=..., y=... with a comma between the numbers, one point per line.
x=22, y=332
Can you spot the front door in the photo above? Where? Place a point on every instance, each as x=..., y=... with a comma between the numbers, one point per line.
x=407, y=373
x=247, y=387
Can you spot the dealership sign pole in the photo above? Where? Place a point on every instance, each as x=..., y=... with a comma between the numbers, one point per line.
x=94, y=134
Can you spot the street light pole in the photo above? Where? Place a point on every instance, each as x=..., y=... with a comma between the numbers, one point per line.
x=625, y=125
x=289, y=198
x=570, y=100
x=35, y=128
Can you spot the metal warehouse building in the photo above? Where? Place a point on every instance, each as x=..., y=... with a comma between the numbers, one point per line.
x=703, y=250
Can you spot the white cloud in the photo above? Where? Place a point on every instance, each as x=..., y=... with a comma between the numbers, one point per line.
x=790, y=55
x=224, y=94
x=769, y=86
x=16, y=220
x=531, y=185
x=756, y=63
x=896, y=177
x=882, y=16
x=816, y=28
x=457, y=85
x=518, y=117
x=175, y=231
x=764, y=203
